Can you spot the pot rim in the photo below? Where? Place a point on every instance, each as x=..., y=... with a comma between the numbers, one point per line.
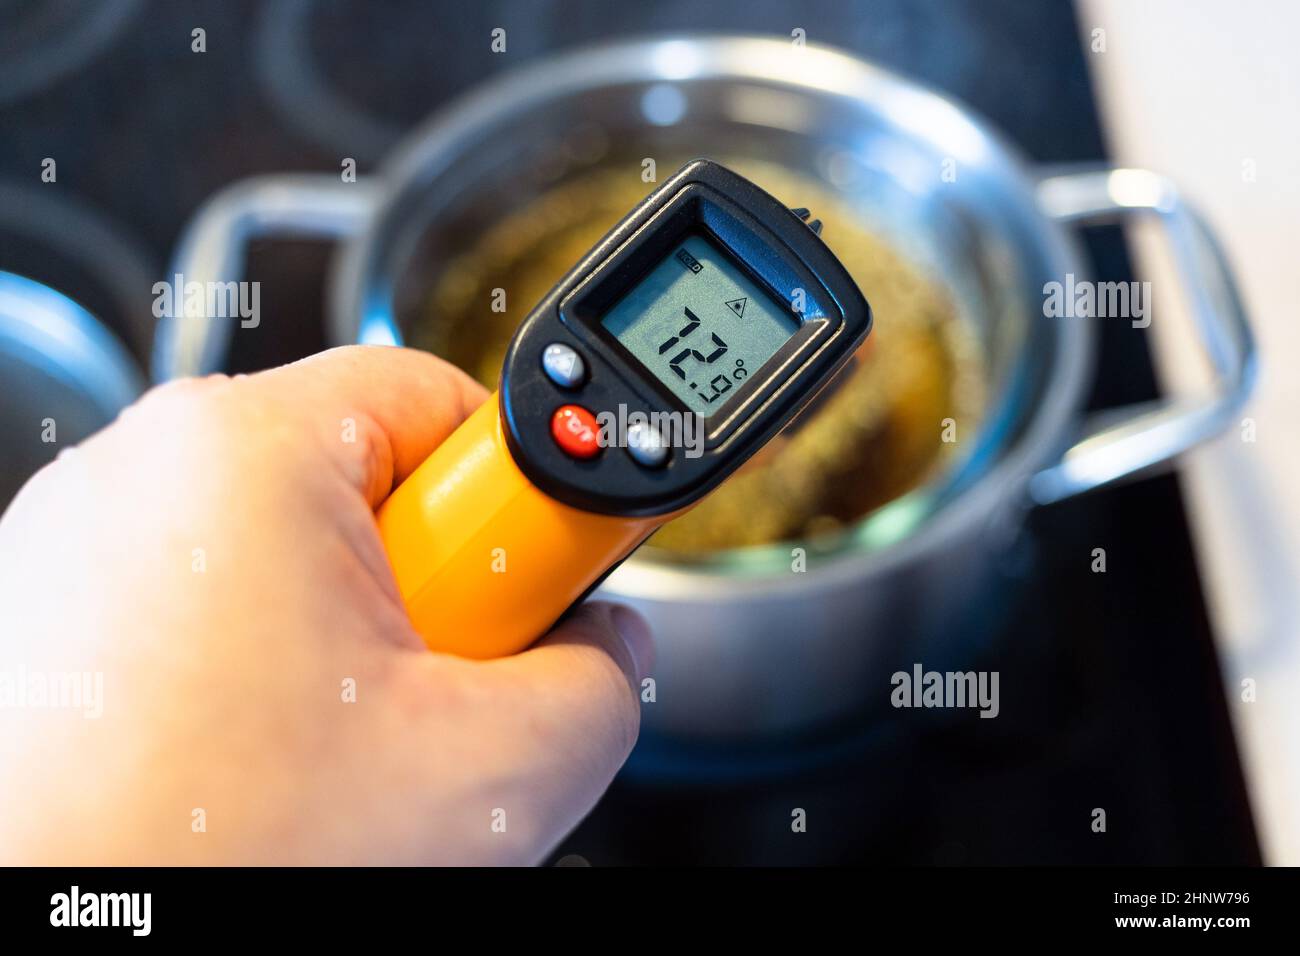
x=358, y=292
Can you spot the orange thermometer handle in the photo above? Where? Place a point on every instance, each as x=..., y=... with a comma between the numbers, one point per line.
x=485, y=561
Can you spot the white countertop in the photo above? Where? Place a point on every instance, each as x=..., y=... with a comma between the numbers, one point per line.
x=1209, y=93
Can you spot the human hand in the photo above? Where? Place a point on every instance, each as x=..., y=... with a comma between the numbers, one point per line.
x=213, y=555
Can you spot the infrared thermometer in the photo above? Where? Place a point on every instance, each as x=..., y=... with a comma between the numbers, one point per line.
x=675, y=349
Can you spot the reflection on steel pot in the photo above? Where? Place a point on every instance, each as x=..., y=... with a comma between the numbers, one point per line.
x=65, y=377
x=753, y=649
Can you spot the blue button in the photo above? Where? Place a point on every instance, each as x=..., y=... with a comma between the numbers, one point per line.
x=646, y=445
x=563, y=365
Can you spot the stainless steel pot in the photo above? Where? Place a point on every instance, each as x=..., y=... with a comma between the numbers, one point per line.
x=749, y=650
x=65, y=376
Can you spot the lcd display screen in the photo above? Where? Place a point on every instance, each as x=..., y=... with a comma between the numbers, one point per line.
x=699, y=325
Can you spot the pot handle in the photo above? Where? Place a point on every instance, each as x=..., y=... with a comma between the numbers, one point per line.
x=213, y=244
x=1126, y=441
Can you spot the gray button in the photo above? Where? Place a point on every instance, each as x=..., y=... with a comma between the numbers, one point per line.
x=646, y=445
x=563, y=365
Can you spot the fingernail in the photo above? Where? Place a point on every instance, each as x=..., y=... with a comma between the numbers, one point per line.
x=635, y=632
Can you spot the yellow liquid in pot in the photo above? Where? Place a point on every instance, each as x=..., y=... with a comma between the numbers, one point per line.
x=875, y=437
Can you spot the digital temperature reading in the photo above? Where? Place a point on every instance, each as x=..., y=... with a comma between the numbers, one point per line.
x=700, y=325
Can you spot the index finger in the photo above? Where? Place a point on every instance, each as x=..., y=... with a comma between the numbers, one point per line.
x=403, y=403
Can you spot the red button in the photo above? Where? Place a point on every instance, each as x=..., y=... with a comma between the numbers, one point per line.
x=575, y=431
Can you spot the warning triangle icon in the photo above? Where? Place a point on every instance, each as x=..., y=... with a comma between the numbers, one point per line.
x=737, y=306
